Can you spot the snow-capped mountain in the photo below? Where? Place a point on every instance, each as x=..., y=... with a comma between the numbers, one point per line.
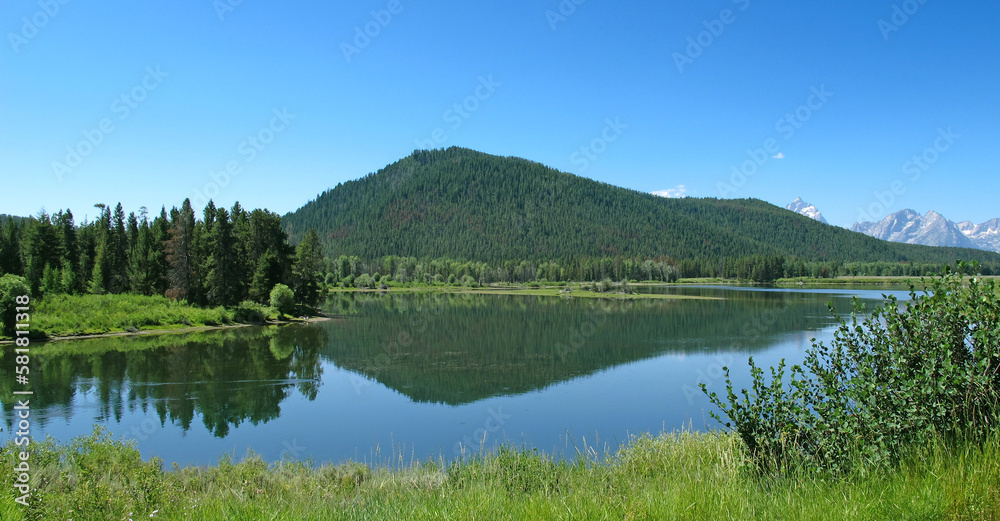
x=986, y=236
x=933, y=229
x=804, y=208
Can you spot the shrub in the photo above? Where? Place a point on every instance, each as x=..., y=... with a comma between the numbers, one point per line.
x=11, y=287
x=253, y=312
x=364, y=281
x=900, y=376
x=283, y=299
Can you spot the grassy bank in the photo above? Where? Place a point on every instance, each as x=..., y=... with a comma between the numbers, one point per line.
x=80, y=315
x=685, y=476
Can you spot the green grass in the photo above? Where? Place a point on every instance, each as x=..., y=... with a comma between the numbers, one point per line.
x=672, y=476
x=70, y=315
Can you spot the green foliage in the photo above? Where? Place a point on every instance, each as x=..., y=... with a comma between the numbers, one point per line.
x=68, y=315
x=899, y=377
x=250, y=312
x=283, y=299
x=222, y=259
x=364, y=281
x=11, y=287
x=307, y=270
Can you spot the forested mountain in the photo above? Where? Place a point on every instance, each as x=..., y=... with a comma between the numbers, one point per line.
x=459, y=203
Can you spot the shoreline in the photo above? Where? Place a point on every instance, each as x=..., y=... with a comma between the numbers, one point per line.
x=170, y=330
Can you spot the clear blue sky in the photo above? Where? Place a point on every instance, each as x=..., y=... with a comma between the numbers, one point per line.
x=199, y=81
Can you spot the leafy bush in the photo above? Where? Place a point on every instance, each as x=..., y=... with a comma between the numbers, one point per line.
x=364, y=281
x=252, y=312
x=900, y=376
x=11, y=287
x=283, y=299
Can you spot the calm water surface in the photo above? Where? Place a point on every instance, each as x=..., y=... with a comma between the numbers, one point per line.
x=425, y=375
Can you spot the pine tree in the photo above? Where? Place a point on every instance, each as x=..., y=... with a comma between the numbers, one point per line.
x=117, y=252
x=266, y=276
x=306, y=270
x=70, y=249
x=179, y=250
x=221, y=277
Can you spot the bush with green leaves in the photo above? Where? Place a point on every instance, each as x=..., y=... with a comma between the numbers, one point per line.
x=364, y=281
x=904, y=374
x=11, y=287
x=250, y=312
x=283, y=299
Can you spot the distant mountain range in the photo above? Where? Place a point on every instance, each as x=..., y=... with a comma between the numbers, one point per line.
x=933, y=229
x=804, y=208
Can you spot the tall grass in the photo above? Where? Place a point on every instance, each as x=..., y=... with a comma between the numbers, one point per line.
x=68, y=315
x=671, y=476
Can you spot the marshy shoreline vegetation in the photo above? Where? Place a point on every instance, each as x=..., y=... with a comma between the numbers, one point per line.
x=895, y=419
x=671, y=476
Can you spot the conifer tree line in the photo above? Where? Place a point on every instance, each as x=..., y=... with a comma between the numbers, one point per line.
x=219, y=258
x=352, y=271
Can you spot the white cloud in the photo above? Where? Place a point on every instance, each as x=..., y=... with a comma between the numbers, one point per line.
x=672, y=193
x=781, y=155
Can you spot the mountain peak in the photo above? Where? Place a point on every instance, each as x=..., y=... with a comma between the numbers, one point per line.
x=801, y=207
x=933, y=229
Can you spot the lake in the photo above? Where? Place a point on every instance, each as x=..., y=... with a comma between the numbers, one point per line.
x=400, y=377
